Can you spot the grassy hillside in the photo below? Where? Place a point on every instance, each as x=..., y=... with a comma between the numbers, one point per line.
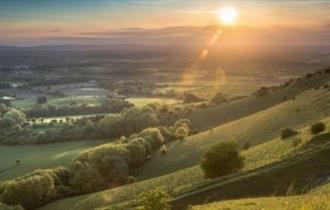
x=34, y=157
x=224, y=113
x=294, y=175
x=305, y=202
x=315, y=200
x=308, y=107
x=189, y=178
x=260, y=129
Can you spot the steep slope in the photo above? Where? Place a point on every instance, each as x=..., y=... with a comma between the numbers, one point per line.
x=306, y=108
x=297, y=174
x=217, y=115
x=308, y=201
x=190, y=178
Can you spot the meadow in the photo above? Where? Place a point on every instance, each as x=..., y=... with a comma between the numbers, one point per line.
x=188, y=180
x=33, y=157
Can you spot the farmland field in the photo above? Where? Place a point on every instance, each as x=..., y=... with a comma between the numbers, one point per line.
x=34, y=157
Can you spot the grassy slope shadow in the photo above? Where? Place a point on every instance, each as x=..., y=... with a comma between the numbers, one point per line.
x=297, y=175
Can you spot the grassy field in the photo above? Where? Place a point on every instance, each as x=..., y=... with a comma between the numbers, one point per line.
x=34, y=157
x=258, y=128
x=295, y=175
x=60, y=101
x=186, y=179
x=317, y=199
x=305, y=202
x=216, y=115
x=140, y=101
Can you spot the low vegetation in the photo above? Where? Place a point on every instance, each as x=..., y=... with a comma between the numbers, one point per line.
x=288, y=132
x=317, y=128
x=222, y=159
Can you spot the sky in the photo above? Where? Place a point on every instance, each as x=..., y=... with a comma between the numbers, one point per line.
x=33, y=22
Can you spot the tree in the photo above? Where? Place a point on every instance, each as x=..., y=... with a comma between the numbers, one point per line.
x=222, y=159
x=42, y=99
x=220, y=97
x=317, y=128
x=153, y=136
x=181, y=133
x=191, y=98
x=7, y=207
x=157, y=199
x=288, y=132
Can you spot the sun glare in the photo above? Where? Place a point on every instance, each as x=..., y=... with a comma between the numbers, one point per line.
x=227, y=15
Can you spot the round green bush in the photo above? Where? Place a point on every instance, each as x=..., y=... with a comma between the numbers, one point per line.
x=317, y=128
x=222, y=159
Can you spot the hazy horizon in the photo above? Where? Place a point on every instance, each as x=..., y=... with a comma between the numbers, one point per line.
x=34, y=22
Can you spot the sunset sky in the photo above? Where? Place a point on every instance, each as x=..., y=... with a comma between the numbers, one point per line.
x=32, y=22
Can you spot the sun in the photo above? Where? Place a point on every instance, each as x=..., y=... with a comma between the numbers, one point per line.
x=227, y=15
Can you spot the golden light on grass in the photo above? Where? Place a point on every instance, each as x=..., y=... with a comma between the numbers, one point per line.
x=227, y=15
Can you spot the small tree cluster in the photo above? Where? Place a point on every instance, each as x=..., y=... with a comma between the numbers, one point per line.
x=181, y=128
x=36, y=188
x=222, y=159
x=8, y=207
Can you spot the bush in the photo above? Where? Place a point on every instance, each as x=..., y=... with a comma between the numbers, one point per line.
x=220, y=98
x=181, y=133
x=157, y=199
x=191, y=98
x=34, y=189
x=153, y=136
x=262, y=91
x=42, y=99
x=317, y=128
x=288, y=132
x=222, y=159
x=109, y=163
x=6, y=207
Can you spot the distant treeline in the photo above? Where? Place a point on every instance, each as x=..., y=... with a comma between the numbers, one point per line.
x=108, y=105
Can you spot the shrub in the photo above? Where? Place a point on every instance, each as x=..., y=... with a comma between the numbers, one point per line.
x=137, y=153
x=183, y=123
x=288, y=132
x=42, y=99
x=220, y=98
x=109, y=163
x=191, y=98
x=222, y=159
x=6, y=207
x=153, y=136
x=157, y=199
x=181, y=133
x=317, y=128
x=33, y=189
x=262, y=91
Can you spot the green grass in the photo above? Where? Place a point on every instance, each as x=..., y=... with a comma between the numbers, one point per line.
x=306, y=202
x=294, y=175
x=141, y=101
x=317, y=199
x=217, y=115
x=258, y=128
x=34, y=157
x=186, y=179
x=88, y=100
x=60, y=101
